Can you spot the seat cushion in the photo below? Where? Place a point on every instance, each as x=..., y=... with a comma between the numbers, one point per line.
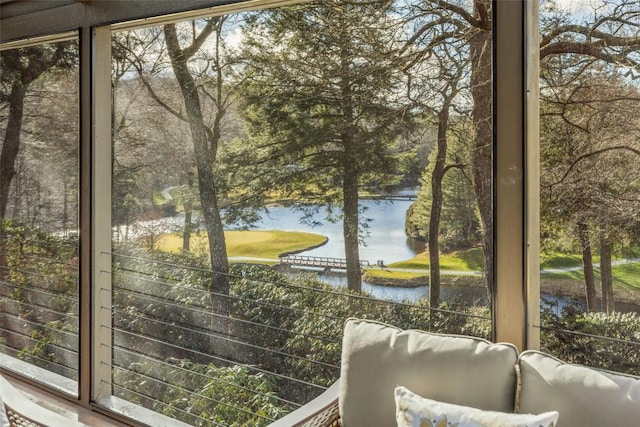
x=583, y=396
x=376, y=358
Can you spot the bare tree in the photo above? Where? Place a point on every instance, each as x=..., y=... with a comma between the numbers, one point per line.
x=609, y=36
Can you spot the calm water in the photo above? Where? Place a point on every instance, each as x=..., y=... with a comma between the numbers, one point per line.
x=385, y=241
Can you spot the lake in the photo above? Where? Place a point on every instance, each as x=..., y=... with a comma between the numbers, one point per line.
x=385, y=241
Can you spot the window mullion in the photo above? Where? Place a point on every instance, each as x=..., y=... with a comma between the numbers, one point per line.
x=101, y=230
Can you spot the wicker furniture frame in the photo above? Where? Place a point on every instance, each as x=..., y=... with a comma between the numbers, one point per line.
x=322, y=411
x=23, y=412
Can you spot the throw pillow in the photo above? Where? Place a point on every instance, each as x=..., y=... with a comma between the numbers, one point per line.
x=417, y=411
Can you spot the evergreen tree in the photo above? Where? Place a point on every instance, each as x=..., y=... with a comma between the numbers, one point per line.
x=323, y=103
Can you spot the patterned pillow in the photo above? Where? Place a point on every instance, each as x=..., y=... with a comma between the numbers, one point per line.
x=416, y=411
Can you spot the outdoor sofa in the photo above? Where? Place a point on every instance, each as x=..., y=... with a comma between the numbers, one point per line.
x=460, y=370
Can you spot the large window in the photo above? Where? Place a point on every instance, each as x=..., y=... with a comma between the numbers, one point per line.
x=277, y=171
x=590, y=184
x=39, y=212
x=251, y=175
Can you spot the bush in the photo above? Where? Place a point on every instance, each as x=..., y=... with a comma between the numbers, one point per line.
x=607, y=341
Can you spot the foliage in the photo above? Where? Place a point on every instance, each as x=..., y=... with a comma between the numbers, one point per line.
x=323, y=106
x=608, y=341
x=460, y=226
x=205, y=395
x=41, y=289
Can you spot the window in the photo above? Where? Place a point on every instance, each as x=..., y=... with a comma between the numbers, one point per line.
x=208, y=135
x=241, y=142
x=590, y=186
x=39, y=211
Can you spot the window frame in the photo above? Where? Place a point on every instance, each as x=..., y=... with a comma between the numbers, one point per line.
x=516, y=306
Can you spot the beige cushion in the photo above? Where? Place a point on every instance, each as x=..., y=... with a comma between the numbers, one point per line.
x=417, y=411
x=583, y=396
x=462, y=370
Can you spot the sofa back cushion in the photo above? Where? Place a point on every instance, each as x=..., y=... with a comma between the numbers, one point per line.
x=583, y=396
x=461, y=370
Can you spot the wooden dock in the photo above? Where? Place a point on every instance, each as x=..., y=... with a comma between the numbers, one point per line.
x=317, y=262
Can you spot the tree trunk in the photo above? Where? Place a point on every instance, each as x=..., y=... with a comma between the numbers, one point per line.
x=188, y=207
x=606, y=275
x=11, y=144
x=186, y=233
x=587, y=262
x=10, y=149
x=350, y=224
x=205, y=157
x=351, y=217
x=480, y=44
x=436, y=206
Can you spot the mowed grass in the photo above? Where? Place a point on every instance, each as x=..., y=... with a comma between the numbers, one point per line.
x=624, y=275
x=464, y=260
x=273, y=243
x=251, y=243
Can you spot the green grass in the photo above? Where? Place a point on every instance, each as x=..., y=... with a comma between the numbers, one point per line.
x=399, y=275
x=273, y=243
x=254, y=243
x=158, y=198
x=559, y=260
x=624, y=275
x=466, y=260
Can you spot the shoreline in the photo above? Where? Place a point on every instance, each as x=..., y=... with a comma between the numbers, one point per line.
x=556, y=287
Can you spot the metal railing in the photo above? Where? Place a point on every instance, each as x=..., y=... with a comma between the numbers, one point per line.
x=275, y=347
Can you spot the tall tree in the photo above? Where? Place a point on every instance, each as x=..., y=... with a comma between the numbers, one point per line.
x=205, y=146
x=609, y=35
x=435, y=85
x=585, y=129
x=20, y=68
x=322, y=100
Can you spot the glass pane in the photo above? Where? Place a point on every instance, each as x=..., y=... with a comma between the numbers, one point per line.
x=39, y=212
x=276, y=172
x=590, y=186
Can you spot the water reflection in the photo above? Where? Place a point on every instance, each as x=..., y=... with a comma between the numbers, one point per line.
x=386, y=239
x=467, y=294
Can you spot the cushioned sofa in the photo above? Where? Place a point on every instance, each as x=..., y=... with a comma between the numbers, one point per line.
x=380, y=362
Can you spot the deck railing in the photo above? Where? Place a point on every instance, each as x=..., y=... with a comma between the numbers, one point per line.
x=275, y=347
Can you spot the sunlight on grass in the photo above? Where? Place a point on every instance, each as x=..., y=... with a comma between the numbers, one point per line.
x=253, y=243
x=559, y=260
x=398, y=275
x=464, y=260
x=271, y=244
x=624, y=275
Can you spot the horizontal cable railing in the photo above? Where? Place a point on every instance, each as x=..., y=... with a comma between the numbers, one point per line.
x=276, y=346
x=39, y=300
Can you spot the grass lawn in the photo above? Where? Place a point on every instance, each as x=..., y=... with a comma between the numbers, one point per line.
x=624, y=275
x=398, y=275
x=273, y=243
x=466, y=260
x=252, y=243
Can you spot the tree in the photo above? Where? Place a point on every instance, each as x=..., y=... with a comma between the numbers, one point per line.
x=437, y=85
x=20, y=68
x=608, y=36
x=200, y=63
x=585, y=129
x=205, y=146
x=323, y=104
